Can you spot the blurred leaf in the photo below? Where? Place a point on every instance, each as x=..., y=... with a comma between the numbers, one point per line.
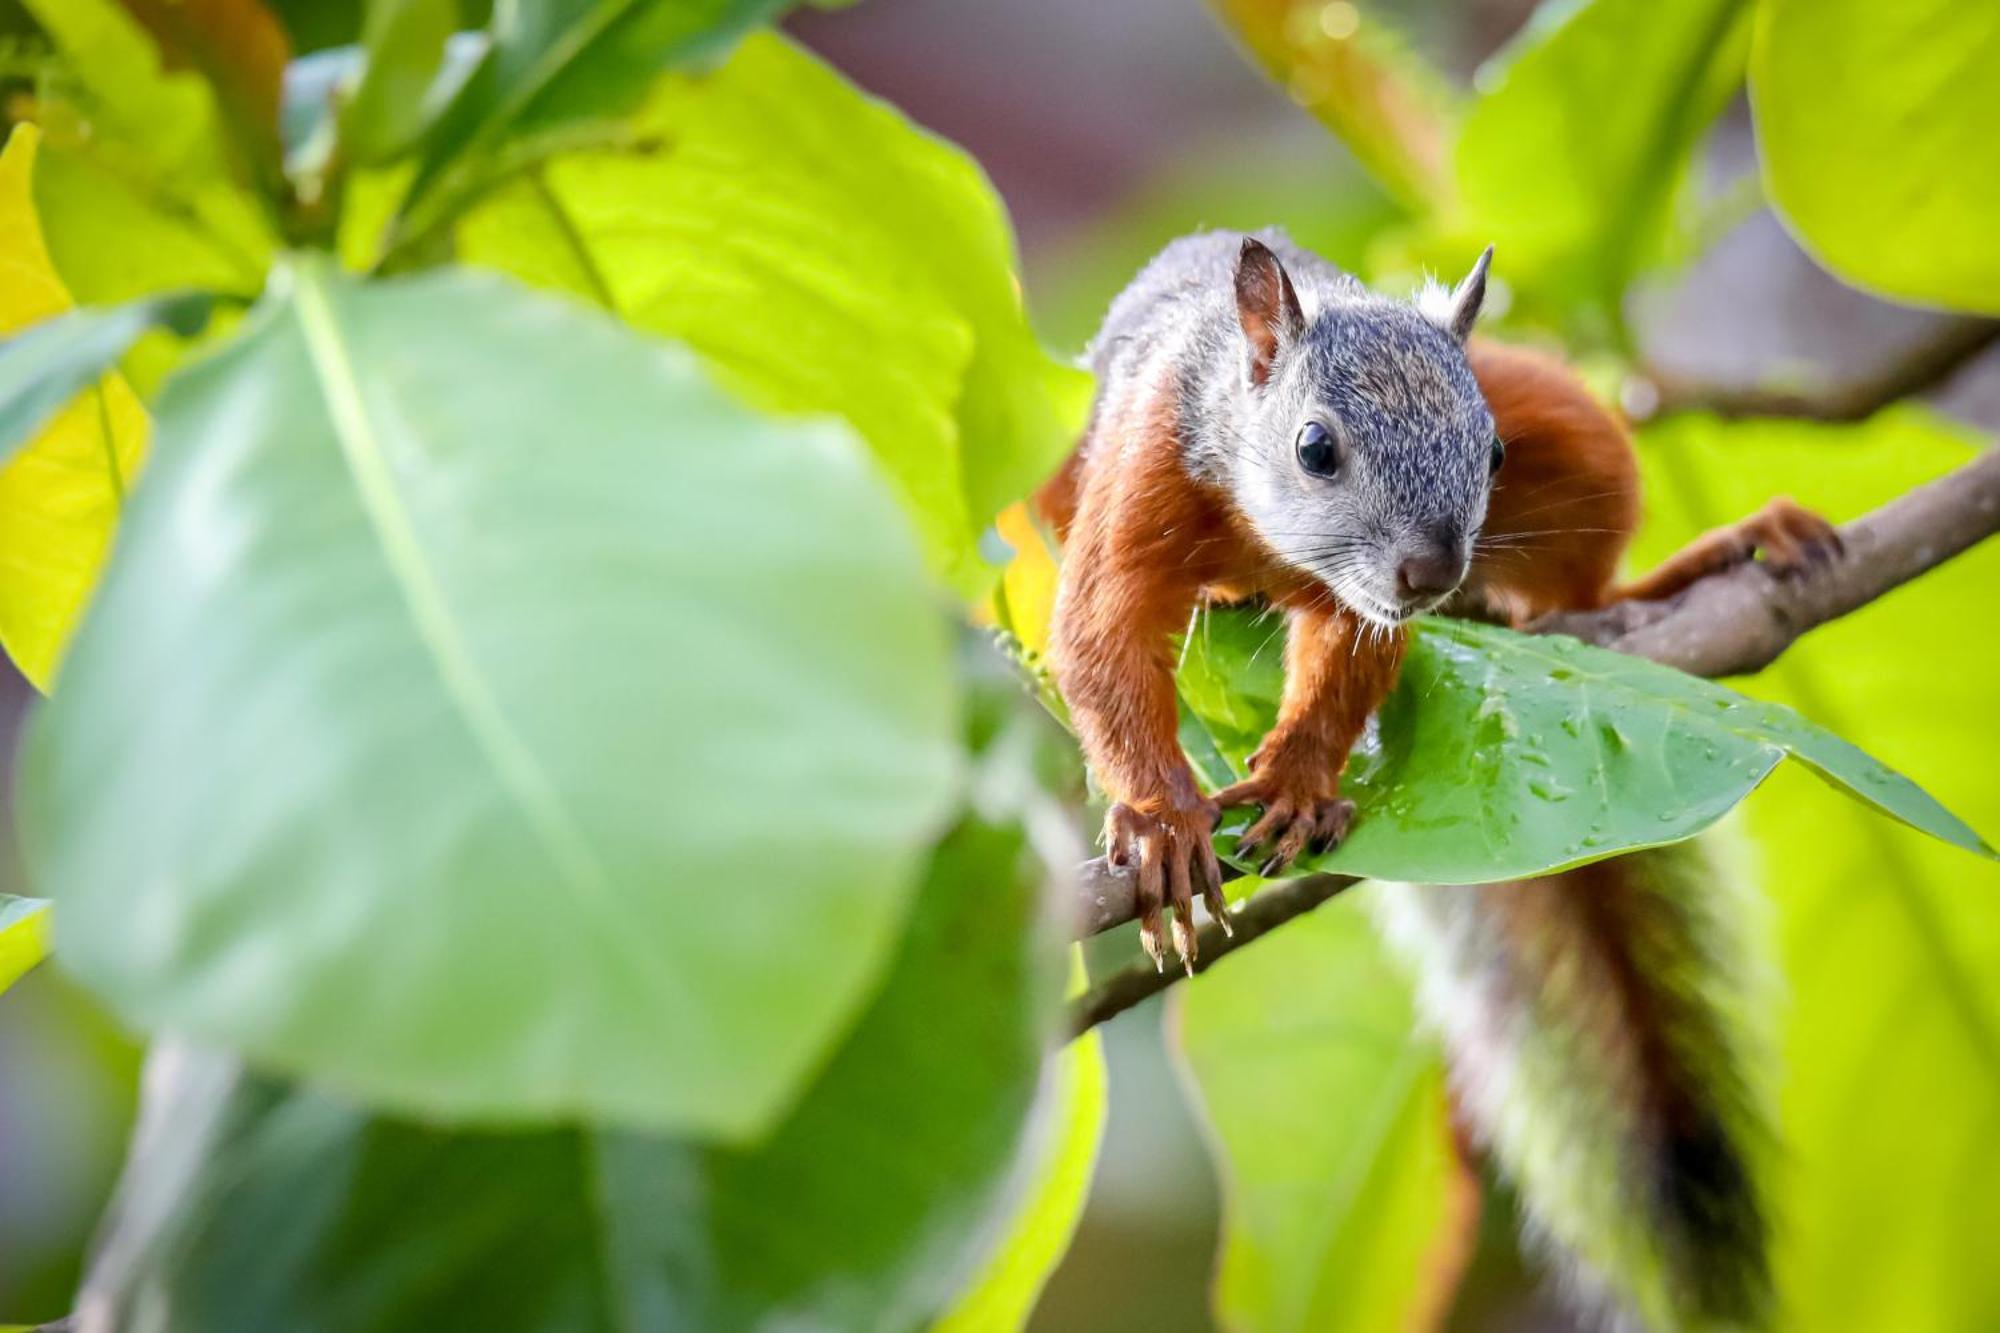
x=1335, y=211
x=1028, y=583
x=495, y=719
x=825, y=256
x=1343, y=1197
x=45, y=366
x=134, y=186
x=1355, y=73
x=59, y=498
x=403, y=45
x=1879, y=130
x=1569, y=162
x=1501, y=755
x=1888, y=1182
x=1061, y=1163
x=241, y=50
x=860, y=1211
x=24, y=936
x=556, y=65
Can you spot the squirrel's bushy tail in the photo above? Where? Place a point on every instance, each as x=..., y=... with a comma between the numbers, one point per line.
x=1593, y=1022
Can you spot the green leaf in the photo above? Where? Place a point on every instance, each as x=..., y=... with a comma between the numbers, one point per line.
x=134, y=184
x=24, y=936
x=496, y=720
x=552, y=67
x=861, y=1210
x=1061, y=1155
x=825, y=256
x=47, y=365
x=1890, y=942
x=60, y=496
x=403, y=48
x=1879, y=132
x=241, y=50
x=1501, y=755
x=1569, y=162
x=1362, y=78
x=1342, y=1192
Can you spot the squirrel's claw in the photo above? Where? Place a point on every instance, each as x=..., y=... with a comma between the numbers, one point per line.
x=1791, y=537
x=1288, y=827
x=1171, y=851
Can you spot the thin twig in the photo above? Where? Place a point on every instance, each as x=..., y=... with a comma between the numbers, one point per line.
x=1730, y=623
x=1271, y=908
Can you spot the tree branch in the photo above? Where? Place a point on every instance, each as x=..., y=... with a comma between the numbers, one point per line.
x=1730, y=623
x=1924, y=366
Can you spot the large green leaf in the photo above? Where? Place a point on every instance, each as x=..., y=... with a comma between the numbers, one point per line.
x=24, y=936
x=553, y=67
x=862, y=1209
x=826, y=256
x=1879, y=128
x=1504, y=755
x=1887, y=1179
x=1569, y=161
x=1342, y=1192
x=494, y=719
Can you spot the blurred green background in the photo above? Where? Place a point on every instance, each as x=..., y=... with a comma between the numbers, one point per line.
x=1111, y=126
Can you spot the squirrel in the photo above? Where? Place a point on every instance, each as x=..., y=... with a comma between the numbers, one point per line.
x=1267, y=427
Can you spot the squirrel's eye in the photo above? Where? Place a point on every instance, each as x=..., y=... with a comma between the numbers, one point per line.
x=1317, y=452
x=1499, y=455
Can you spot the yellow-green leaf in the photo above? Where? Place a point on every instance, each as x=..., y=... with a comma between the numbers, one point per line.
x=135, y=185
x=1343, y=1199
x=1879, y=128
x=60, y=495
x=24, y=936
x=1890, y=943
x=825, y=256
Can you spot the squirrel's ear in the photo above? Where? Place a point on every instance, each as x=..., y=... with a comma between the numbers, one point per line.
x=1266, y=305
x=1467, y=297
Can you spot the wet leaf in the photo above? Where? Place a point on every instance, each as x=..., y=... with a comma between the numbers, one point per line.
x=1502, y=755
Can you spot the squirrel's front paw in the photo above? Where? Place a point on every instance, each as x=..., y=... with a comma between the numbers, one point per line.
x=1173, y=854
x=1791, y=537
x=1293, y=822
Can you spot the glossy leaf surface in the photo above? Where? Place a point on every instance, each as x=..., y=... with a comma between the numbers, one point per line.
x=499, y=721
x=1504, y=755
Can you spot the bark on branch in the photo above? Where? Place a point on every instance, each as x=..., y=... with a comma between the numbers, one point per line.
x=1731, y=623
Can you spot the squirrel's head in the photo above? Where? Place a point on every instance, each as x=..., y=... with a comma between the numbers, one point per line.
x=1370, y=452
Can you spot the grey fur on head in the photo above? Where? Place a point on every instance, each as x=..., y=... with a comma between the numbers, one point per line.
x=1256, y=338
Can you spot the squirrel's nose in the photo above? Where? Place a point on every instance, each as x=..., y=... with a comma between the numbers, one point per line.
x=1431, y=573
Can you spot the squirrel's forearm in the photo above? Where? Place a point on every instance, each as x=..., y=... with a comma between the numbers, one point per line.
x=1337, y=672
x=1118, y=681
